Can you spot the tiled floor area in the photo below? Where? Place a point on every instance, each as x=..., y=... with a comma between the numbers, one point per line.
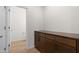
x=20, y=47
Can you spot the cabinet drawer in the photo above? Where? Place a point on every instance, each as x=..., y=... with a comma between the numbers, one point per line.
x=68, y=41
x=50, y=36
x=61, y=48
x=42, y=34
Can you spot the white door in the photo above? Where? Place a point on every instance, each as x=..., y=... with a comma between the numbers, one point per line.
x=2, y=29
x=17, y=24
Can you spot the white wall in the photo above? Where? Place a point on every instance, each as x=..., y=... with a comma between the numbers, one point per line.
x=17, y=23
x=34, y=22
x=62, y=19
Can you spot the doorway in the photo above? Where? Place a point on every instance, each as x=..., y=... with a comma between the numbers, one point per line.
x=18, y=34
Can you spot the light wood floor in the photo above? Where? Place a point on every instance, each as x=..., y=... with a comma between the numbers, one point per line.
x=20, y=47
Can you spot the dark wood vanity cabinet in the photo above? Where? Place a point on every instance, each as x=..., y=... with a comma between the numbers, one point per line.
x=56, y=42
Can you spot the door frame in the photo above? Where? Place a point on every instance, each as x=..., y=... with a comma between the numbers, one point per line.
x=6, y=28
x=7, y=34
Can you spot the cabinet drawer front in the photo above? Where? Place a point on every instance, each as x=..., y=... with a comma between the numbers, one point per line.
x=68, y=41
x=50, y=36
x=61, y=48
x=42, y=34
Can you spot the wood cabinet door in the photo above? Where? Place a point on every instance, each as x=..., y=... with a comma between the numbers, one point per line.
x=77, y=46
x=42, y=44
x=50, y=45
x=62, y=48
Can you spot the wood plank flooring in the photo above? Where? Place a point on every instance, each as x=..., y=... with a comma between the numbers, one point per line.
x=20, y=47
